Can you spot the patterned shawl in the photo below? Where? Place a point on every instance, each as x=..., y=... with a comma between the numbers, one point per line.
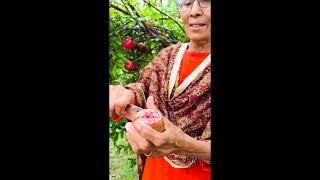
x=191, y=110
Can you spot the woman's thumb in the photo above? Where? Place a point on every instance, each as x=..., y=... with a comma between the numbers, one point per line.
x=150, y=103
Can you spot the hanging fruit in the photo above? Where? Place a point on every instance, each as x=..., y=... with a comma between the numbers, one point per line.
x=130, y=66
x=128, y=44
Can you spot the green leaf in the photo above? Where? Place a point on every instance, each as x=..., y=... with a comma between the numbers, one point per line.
x=115, y=138
x=121, y=133
x=132, y=162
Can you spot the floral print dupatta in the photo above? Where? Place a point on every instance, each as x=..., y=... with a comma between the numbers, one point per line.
x=187, y=105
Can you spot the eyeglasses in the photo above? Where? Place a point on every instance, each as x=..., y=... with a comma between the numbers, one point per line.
x=187, y=4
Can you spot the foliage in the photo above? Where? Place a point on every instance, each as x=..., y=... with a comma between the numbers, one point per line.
x=122, y=166
x=143, y=24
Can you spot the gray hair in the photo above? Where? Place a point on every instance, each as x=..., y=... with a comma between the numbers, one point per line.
x=179, y=2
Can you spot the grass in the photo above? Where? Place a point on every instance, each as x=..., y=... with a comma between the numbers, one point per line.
x=119, y=165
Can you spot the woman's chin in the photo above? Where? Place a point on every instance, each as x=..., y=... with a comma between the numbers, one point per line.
x=196, y=38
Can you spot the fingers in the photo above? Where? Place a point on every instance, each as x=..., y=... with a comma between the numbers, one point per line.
x=138, y=143
x=127, y=97
x=113, y=114
x=120, y=107
x=156, y=154
x=119, y=97
x=155, y=137
x=113, y=95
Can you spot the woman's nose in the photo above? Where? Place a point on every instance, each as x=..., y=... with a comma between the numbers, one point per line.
x=195, y=9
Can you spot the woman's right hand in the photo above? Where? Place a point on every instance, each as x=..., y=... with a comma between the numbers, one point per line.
x=119, y=97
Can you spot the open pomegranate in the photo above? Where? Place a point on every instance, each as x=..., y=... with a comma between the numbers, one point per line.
x=152, y=118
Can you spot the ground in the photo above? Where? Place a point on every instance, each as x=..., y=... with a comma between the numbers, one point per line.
x=119, y=165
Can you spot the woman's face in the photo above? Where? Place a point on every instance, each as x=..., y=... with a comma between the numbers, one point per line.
x=197, y=20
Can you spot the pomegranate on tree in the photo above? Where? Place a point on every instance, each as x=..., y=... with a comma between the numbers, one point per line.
x=130, y=66
x=152, y=118
x=128, y=44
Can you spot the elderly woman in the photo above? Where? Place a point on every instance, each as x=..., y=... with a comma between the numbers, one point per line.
x=177, y=84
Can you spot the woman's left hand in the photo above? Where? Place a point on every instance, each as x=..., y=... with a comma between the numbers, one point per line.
x=162, y=143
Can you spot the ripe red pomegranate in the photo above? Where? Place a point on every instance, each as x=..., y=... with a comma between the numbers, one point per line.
x=130, y=66
x=128, y=44
x=152, y=118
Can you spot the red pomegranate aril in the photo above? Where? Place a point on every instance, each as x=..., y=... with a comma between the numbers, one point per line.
x=152, y=118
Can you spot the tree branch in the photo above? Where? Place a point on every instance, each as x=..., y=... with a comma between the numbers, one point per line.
x=124, y=4
x=165, y=15
x=150, y=32
x=138, y=15
x=119, y=9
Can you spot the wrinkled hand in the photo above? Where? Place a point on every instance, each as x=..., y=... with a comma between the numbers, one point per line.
x=143, y=139
x=119, y=97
